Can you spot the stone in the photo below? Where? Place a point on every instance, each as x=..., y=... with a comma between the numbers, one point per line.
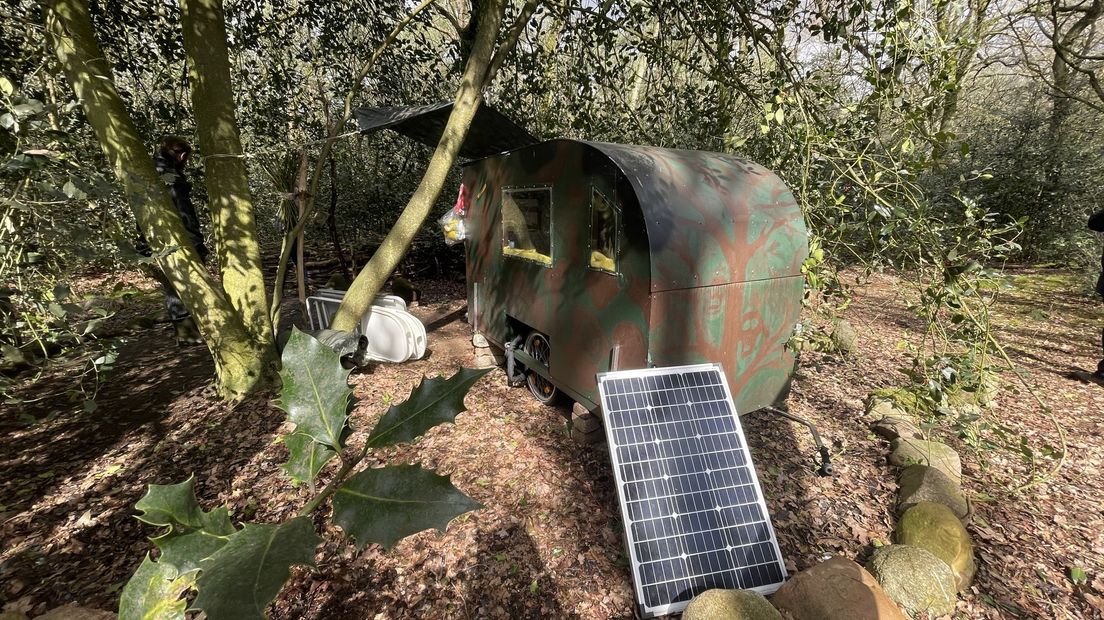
x=730, y=605
x=484, y=360
x=878, y=408
x=480, y=341
x=74, y=612
x=917, y=580
x=907, y=451
x=585, y=427
x=984, y=394
x=895, y=426
x=969, y=411
x=900, y=398
x=844, y=337
x=935, y=528
x=920, y=483
x=836, y=589
x=12, y=615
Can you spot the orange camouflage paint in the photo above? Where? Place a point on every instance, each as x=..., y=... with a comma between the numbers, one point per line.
x=708, y=260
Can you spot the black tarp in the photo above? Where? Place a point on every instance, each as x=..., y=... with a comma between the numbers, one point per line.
x=491, y=132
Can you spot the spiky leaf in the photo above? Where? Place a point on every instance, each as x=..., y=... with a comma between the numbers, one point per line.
x=175, y=505
x=434, y=401
x=186, y=552
x=307, y=457
x=153, y=593
x=385, y=505
x=243, y=577
x=315, y=392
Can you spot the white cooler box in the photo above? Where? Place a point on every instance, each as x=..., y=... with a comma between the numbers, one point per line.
x=394, y=335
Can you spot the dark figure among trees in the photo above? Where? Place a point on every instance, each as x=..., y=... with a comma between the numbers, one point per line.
x=171, y=160
x=1096, y=222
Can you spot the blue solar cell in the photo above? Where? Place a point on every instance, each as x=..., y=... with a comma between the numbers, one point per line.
x=695, y=518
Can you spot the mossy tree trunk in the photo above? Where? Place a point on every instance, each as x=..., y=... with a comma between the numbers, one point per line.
x=479, y=70
x=240, y=362
x=239, y=254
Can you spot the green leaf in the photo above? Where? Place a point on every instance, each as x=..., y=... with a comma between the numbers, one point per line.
x=307, y=457
x=11, y=353
x=435, y=401
x=385, y=505
x=6, y=86
x=171, y=505
x=186, y=552
x=315, y=392
x=175, y=506
x=153, y=593
x=1078, y=575
x=71, y=190
x=243, y=577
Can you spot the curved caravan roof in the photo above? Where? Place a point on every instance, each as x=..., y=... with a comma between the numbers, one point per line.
x=711, y=218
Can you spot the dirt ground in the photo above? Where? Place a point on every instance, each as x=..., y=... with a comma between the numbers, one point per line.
x=548, y=542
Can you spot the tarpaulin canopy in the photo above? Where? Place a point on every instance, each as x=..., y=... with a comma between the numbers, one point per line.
x=491, y=132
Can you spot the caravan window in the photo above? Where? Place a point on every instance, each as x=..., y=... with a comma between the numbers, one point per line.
x=527, y=224
x=604, y=217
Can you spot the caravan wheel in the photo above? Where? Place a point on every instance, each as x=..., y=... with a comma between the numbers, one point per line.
x=536, y=345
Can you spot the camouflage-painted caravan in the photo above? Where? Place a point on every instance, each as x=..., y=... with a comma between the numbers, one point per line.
x=591, y=257
x=585, y=257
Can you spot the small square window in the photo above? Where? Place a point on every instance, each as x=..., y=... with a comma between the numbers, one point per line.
x=604, y=217
x=527, y=224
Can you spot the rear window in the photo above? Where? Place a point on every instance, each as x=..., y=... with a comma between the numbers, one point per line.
x=604, y=217
x=527, y=224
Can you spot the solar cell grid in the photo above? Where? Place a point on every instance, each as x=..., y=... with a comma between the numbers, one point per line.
x=694, y=515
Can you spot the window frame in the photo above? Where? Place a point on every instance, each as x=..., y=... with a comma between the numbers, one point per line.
x=511, y=189
x=616, y=208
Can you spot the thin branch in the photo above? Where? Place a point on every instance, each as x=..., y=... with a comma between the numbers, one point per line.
x=327, y=145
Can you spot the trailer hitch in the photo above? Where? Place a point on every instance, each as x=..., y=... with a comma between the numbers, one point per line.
x=515, y=372
x=825, y=468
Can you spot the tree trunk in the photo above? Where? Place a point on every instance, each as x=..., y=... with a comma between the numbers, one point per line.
x=238, y=366
x=331, y=224
x=239, y=254
x=359, y=298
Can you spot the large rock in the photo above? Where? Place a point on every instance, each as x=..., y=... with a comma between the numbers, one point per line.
x=899, y=397
x=920, y=483
x=836, y=589
x=878, y=408
x=730, y=605
x=984, y=394
x=908, y=451
x=844, y=337
x=935, y=527
x=896, y=426
x=914, y=578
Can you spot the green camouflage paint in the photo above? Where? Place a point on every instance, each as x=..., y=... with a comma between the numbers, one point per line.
x=710, y=251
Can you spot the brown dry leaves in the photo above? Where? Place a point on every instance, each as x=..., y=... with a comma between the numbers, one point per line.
x=549, y=541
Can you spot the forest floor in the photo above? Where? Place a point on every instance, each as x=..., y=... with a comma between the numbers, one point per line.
x=548, y=542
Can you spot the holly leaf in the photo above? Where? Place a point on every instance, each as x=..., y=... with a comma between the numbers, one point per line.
x=315, y=392
x=385, y=505
x=243, y=577
x=154, y=591
x=171, y=505
x=435, y=401
x=186, y=552
x=307, y=457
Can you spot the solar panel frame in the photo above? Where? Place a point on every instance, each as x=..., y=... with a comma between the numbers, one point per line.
x=711, y=553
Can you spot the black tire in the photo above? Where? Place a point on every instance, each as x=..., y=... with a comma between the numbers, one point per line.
x=536, y=345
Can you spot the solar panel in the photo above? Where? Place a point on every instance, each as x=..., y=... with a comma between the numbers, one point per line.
x=693, y=511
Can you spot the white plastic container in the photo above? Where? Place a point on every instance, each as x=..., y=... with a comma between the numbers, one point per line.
x=394, y=335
